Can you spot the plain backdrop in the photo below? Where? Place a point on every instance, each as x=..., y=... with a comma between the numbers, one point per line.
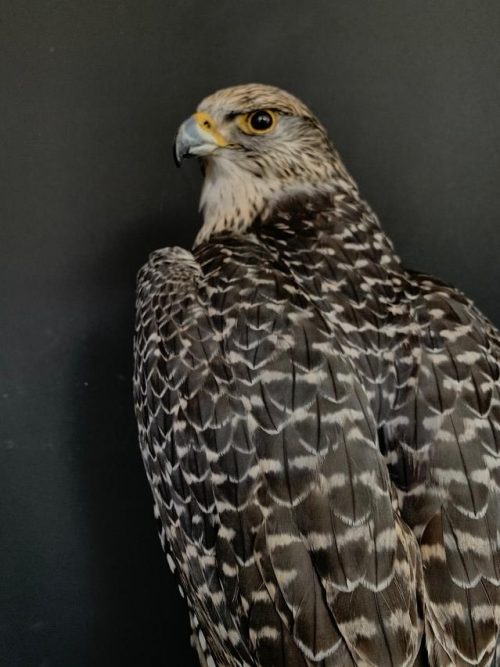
x=91, y=93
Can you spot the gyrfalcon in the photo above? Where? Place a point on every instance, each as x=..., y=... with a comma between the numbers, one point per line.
x=320, y=426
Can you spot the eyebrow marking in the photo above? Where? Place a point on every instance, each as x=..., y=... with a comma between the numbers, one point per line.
x=243, y=112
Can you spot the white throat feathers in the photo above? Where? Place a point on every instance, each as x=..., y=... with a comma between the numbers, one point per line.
x=233, y=197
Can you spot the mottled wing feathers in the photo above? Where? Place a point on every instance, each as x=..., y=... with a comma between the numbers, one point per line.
x=261, y=448
x=183, y=414
x=446, y=433
x=429, y=363
x=315, y=441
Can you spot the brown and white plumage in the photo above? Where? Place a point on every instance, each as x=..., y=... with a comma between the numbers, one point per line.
x=319, y=426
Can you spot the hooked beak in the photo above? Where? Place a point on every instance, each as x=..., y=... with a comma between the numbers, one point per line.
x=197, y=136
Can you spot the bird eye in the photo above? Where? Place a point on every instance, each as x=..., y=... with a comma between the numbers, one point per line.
x=259, y=122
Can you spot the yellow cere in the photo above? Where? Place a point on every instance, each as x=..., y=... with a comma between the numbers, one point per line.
x=208, y=124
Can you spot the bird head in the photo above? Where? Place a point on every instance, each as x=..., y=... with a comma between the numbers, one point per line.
x=257, y=144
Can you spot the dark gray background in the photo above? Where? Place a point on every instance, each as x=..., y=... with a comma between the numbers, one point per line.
x=91, y=93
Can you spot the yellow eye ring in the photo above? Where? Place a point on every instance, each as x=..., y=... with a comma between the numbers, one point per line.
x=258, y=122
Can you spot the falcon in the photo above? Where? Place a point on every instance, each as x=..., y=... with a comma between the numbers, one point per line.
x=320, y=427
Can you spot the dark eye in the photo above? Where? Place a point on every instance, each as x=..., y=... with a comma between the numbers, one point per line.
x=261, y=121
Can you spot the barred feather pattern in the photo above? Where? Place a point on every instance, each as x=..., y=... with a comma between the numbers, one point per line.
x=320, y=429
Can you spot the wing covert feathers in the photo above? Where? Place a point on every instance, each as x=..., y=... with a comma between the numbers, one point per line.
x=321, y=433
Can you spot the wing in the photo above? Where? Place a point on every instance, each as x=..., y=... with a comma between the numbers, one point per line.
x=261, y=450
x=444, y=442
x=337, y=564
x=183, y=409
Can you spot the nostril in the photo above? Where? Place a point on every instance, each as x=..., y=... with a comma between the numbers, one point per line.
x=207, y=124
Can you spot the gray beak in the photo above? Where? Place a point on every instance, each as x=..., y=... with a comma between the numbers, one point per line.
x=198, y=137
